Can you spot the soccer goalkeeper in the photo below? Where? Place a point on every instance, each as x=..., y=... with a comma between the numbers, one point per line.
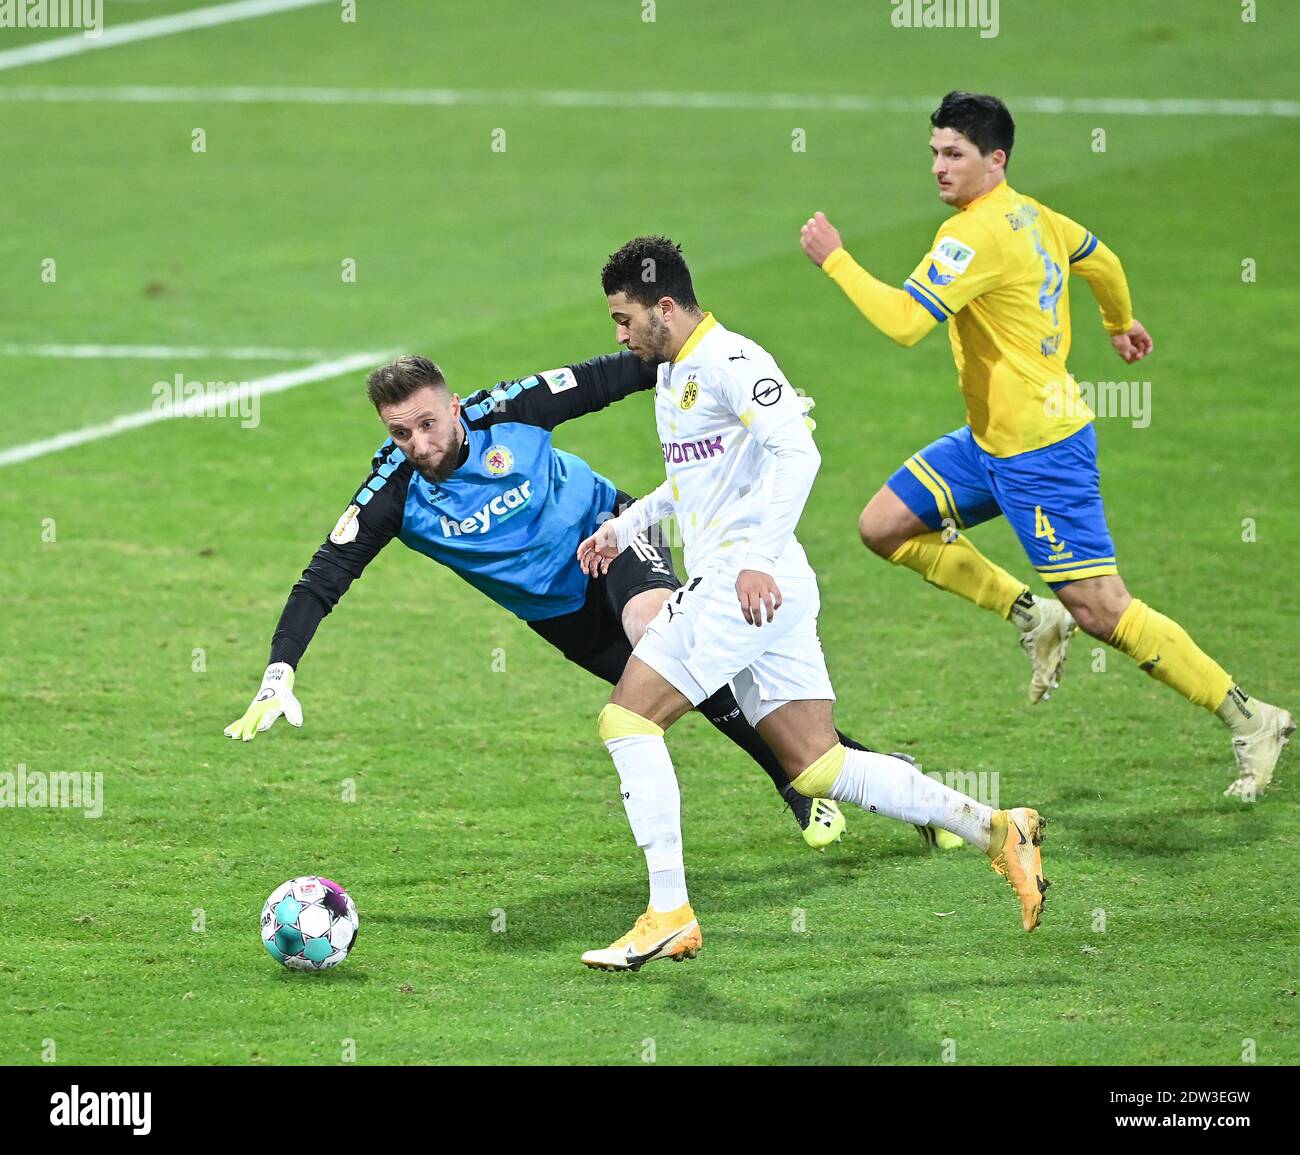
x=478, y=487
x=998, y=273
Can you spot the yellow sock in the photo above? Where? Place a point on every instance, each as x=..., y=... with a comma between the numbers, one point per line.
x=1163, y=649
x=958, y=567
x=820, y=776
x=619, y=722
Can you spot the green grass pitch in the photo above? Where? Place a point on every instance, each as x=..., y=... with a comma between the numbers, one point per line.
x=129, y=640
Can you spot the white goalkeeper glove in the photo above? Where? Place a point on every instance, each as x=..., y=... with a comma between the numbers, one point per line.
x=273, y=699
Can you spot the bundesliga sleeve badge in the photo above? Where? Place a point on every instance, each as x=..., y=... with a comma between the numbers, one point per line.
x=345, y=529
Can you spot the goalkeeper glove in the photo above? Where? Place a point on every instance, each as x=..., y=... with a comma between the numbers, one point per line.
x=273, y=699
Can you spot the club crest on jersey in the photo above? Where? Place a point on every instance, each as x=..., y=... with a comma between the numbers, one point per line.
x=690, y=393
x=345, y=529
x=952, y=254
x=498, y=460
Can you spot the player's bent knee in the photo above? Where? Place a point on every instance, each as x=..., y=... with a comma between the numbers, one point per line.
x=1094, y=624
x=875, y=534
x=816, y=780
x=1096, y=616
x=641, y=611
x=886, y=524
x=617, y=721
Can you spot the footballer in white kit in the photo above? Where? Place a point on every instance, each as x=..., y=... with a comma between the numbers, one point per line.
x=740, y=463
x=725, y=411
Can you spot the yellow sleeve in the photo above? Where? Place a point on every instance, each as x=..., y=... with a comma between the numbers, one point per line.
x=895, y=313
x=964, y=262
x=1100, y=267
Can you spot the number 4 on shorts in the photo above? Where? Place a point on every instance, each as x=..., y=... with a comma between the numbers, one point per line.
x=1042, y=527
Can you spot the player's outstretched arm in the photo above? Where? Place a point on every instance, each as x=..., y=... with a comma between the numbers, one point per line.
x=896, y=313
x=615, y=534
x=356, y=539
x=547, y=399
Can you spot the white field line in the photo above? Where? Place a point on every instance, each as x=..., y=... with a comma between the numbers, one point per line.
x=77, y=43
x=163, y=352
x=276, y=383
x=569, y=98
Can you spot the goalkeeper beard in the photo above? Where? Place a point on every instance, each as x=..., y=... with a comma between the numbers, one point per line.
x=438, y=468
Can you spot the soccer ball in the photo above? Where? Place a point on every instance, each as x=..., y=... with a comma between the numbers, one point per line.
x=309, y=923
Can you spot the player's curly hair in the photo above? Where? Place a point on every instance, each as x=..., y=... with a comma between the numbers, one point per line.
x=981, y=119
x=393, y=383
x=648, y=268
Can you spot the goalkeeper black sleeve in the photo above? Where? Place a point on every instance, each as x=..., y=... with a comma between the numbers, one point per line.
x=360, y=534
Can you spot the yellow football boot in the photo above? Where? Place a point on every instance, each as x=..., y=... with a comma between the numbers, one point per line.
x=658, y=934
x=1013, y=852
x=825, y=824
x=820, y=820
x=938, y=839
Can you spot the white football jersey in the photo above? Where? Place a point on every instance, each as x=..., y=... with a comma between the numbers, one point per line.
x=739, y=456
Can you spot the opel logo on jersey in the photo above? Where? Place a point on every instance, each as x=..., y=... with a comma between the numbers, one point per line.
x=767, y=391
x=498, y=460
x=691, y=393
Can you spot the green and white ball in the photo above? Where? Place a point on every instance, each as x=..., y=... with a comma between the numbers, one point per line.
x=309, y=923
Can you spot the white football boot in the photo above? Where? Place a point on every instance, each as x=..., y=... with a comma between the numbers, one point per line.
x=1257, y=754
x=1045, y=645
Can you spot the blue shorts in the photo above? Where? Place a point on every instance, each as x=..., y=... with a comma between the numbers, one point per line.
x=1051, y=497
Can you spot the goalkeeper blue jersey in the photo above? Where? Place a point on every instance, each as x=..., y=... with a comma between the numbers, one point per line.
x=508, y=520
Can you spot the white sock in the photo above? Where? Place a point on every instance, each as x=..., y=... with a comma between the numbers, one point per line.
x=1025, y=612
x=653, y=804
x=1241, y=713
x=895, y=788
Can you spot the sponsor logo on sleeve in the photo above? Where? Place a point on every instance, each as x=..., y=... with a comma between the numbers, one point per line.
x=952, y=254
x=345, y=529
x=767, y=391
x=558, y=380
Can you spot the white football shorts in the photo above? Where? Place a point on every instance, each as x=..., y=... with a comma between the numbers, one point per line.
x=699, y=641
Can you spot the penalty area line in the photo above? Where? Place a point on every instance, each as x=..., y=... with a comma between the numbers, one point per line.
x=276, y=383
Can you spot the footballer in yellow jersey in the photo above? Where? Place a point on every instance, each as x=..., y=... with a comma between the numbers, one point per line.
x=998, y=275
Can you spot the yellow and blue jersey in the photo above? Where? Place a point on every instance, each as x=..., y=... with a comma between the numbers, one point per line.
x=998, y=275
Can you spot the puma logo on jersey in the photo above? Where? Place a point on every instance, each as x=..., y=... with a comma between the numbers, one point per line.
x=677, y=452
x=501, y=507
